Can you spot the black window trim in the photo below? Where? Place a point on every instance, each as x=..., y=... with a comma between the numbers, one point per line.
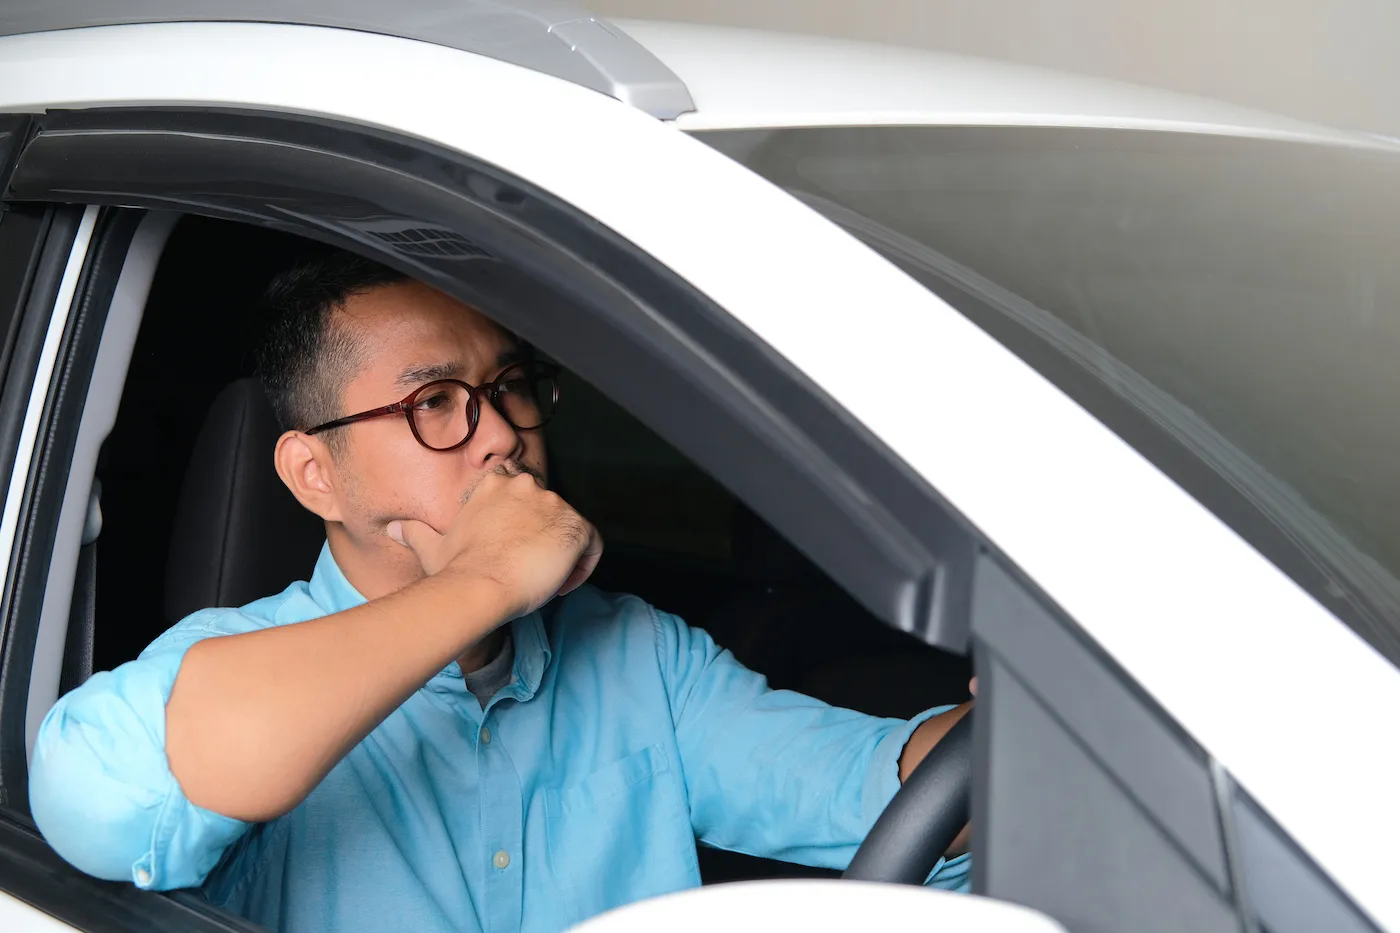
x=34, y=315
x=21, y=605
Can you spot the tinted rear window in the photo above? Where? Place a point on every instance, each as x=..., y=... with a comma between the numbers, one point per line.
x=1230, y=307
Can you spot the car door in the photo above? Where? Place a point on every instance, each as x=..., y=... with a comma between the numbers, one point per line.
x=426, y=189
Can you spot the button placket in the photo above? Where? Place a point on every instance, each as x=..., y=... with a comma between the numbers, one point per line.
x=502, y=820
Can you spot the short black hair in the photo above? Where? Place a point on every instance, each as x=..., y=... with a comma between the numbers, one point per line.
x=305, y=359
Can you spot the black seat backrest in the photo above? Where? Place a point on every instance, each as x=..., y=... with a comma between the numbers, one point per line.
x=239, y=534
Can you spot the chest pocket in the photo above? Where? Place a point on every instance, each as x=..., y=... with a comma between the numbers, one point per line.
x=620, y=834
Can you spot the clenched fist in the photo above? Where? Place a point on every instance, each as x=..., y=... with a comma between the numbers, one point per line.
x=513, y=535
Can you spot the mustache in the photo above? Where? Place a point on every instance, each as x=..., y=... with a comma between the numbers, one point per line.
x=508, y=468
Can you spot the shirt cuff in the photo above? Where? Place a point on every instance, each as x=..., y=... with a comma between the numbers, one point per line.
x=101, y=789
x=187, y=841
x=882, y=783
x=882, y=780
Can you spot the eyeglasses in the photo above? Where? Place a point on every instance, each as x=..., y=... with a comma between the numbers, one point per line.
x=443, y=415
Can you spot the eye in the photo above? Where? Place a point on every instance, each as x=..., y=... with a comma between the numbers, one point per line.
x=433, y=401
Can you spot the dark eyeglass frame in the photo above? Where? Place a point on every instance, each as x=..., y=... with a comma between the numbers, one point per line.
x=487, y=391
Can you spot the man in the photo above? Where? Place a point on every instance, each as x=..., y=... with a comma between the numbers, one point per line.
x=441, y=730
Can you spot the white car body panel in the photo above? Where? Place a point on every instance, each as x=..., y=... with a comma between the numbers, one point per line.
x=1208, y=627
x=827, y=906
x=741, y=78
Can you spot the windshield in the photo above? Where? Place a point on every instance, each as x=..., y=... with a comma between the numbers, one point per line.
x=1230, y=307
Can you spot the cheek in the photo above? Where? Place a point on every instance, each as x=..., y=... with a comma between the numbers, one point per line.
x=533, y=453
x=396, y=481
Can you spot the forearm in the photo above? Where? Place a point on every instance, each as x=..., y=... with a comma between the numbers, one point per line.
x=255, y=721
x=920, y=743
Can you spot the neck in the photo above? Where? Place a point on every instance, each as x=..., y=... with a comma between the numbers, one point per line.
x=386, y=567
x=483, y=652
x=375, y=568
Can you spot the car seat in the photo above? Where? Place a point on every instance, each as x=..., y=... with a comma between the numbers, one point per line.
x=239, y=534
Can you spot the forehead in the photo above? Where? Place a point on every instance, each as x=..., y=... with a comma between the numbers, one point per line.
x=409, y=323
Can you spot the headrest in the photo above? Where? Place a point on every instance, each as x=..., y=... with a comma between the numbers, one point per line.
x=239, y=533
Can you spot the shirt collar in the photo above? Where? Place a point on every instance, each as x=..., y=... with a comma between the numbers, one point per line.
x=333, y=593
x=328, y=586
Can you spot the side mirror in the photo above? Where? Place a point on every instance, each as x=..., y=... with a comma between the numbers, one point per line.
x=819, y=907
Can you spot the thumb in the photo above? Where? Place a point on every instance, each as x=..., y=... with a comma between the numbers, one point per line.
x=414, y=535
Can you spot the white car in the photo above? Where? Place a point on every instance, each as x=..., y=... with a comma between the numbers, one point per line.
x=1092, y=383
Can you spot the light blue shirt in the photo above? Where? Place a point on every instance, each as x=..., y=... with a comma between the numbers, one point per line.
x=623, y=737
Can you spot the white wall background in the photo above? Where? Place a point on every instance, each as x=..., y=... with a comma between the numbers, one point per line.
x=1331, y=61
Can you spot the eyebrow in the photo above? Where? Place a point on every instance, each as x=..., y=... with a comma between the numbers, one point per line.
x=420, y=375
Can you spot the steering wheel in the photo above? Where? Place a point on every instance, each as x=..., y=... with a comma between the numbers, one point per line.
x=924, y=817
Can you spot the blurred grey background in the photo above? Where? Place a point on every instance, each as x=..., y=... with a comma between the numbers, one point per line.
x=1330, y=61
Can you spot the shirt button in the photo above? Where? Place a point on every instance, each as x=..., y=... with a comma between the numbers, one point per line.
x=143, y=876
x=485, y=736
x=501, y=860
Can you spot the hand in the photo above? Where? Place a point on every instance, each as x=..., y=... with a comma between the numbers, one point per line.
x=513, y=535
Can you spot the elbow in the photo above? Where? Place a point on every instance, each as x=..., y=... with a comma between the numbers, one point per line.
x=229, y=776
x=99, y=823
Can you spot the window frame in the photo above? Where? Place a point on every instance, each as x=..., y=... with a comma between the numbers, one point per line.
x=868, y=517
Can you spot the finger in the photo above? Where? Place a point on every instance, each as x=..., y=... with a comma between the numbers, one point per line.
x=586, y=563
x=412, y=534
x=972, y=686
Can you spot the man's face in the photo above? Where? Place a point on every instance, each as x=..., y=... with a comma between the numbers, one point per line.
x=410, y=334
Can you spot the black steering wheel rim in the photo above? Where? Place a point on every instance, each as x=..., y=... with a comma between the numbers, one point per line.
x=925, y=816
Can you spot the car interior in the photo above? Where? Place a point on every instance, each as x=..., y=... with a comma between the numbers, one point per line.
x=194, y=516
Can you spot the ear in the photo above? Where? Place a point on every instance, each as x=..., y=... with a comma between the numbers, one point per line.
x=308, y=470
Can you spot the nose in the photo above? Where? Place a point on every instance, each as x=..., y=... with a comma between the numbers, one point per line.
x=494, y=439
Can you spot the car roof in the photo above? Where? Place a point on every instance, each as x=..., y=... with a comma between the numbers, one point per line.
x=712, y=77
x=742, y=78
x=555, y=37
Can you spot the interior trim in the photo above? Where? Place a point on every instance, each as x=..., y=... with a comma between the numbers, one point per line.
x=99, y=414
x=52, y=320
x=43, y=373
x=65, y=366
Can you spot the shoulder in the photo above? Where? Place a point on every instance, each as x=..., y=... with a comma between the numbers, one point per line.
x=591, y=614
x=589, y=609
x=294, y=604
x=600, y=624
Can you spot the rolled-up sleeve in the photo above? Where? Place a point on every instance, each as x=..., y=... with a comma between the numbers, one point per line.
x=775, y=773
x=100, y=787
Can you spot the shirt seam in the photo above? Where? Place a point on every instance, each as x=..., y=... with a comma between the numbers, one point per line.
x=677, y=704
